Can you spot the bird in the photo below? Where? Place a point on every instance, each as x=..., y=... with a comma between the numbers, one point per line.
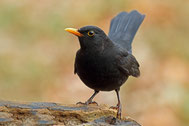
x=104, y=62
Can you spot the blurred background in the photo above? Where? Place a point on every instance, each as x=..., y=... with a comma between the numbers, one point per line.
x=37, y=55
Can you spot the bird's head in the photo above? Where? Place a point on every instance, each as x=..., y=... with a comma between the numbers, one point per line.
x=90, y=37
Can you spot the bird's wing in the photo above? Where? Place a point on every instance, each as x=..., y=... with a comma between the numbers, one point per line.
x=127, y=64
x=123, y=28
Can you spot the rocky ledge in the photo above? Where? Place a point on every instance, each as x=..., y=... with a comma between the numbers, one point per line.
x=45, y=113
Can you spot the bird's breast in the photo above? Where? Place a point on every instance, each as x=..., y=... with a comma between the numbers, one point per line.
x=99, y=71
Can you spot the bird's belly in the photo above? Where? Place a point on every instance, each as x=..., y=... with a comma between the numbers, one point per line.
x=101, y=76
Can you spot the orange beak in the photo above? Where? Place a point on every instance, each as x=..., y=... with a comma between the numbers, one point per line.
x=74, y=31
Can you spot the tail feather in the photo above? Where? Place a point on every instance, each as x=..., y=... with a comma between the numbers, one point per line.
x=123, y=28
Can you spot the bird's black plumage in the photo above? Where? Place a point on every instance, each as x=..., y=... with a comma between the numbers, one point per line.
x=104, y=62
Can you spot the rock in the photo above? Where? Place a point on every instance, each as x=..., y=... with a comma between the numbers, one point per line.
x=44, y=113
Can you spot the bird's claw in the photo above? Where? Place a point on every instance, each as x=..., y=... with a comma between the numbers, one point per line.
x=114, y=107
x=93, y=103
x=118, y=108
x=80, y=103
x=87, y=103
x=119, y=114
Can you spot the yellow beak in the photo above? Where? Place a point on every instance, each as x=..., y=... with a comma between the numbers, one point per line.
x=74, y=31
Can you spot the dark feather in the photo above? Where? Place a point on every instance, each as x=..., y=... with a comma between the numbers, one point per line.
x=123, y=28
x=128, y=64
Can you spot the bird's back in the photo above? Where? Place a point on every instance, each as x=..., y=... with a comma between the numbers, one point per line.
x=123, y=28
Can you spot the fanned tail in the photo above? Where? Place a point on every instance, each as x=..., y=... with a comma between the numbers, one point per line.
x=123, y=28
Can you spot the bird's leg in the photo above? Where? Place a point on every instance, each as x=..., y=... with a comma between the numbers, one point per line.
x=118, y=107
x=89, y=101
x=118, y=104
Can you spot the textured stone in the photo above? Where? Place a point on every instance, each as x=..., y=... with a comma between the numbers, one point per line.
x=42, y=113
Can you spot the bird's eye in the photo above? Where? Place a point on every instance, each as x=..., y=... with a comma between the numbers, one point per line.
x=91, y=33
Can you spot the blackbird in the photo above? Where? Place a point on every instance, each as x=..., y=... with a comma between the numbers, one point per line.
x=104, y=62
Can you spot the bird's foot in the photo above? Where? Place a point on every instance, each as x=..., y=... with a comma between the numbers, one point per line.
x=114, y=107
x=87, y=103
x=118, y=108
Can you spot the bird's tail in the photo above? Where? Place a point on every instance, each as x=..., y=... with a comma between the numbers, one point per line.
x=123, y=28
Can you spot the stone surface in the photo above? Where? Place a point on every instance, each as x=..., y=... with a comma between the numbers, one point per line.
x=44, y=113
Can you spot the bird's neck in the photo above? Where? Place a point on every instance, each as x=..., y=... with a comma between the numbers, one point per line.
x=98, y=49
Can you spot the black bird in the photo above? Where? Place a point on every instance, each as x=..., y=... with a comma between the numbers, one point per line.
x=104, y=62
